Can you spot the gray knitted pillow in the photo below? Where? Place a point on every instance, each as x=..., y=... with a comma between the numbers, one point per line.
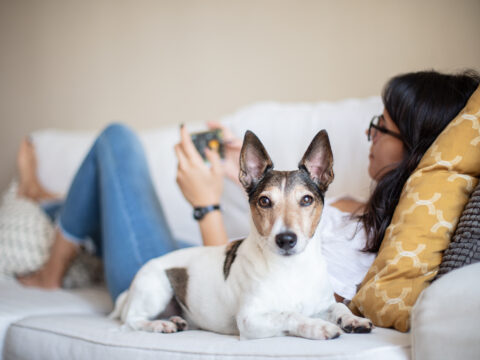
x=464, y=248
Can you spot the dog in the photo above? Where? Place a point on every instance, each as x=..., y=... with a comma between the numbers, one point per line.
x=273, y=283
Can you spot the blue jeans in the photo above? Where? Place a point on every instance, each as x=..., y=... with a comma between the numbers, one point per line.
x=112, y=201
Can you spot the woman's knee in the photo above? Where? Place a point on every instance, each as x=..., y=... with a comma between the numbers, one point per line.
x=117, y=132
x=121, y=137
x=120, y=142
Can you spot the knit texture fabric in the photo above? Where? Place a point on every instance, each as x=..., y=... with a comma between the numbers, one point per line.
x=464, y=248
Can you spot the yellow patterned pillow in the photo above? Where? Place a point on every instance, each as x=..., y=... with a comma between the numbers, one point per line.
x=427, y=213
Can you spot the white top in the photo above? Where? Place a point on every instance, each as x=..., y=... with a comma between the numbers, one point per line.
x=342, y=240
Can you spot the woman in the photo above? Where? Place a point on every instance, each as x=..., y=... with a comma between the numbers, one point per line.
x=112, y=200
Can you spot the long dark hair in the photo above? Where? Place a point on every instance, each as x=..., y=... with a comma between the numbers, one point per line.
x=421, y=104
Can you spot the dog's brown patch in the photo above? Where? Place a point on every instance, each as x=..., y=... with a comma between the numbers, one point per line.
x=230, y=256
x=178, y=278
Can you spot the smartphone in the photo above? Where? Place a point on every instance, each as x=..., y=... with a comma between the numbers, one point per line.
x=213, y=139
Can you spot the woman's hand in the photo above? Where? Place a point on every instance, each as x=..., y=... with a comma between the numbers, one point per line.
x=232, y=145
x=200, y=184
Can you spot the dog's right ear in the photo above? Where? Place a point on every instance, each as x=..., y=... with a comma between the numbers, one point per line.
x=254, y=161
x=318, y=161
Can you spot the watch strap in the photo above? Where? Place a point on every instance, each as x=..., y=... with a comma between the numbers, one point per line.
x=199, y=212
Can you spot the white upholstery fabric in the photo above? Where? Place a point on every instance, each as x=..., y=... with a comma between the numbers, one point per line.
x=18, y=302
x=72, y=325
x=446, y=316
x=93, y=337
x=285, y=129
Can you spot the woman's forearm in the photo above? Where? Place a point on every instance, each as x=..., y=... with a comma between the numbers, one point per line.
x=213, y=229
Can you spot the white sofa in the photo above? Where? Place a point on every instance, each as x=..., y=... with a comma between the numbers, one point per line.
x=36, y=324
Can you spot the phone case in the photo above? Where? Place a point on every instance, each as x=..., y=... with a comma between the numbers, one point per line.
x=213, y=139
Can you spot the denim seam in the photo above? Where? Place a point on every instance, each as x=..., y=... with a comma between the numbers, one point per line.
x=118, y=185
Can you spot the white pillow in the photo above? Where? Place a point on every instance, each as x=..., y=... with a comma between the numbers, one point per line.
x=26, y=235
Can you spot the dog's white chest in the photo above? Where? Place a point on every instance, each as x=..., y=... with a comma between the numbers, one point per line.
x=296, y=291
x=299, y=283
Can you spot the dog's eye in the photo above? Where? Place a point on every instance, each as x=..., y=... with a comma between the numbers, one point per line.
x=307, y=200
x=264, y=202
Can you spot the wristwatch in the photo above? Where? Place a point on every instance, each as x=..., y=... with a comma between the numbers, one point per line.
x=200, y=212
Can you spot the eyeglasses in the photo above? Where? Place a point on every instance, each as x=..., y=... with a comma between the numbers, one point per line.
x=374, y=127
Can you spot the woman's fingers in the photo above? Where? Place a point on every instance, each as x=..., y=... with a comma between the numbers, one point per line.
x=215, y=125
x=228, y=135
x=214, y=158
x=234, y=145
x=188, y=147
x=181, y=157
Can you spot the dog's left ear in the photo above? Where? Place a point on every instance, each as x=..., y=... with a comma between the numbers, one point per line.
x=318, y=161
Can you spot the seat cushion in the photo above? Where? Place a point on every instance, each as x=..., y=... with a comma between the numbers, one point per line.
x=97, y=337
x=18, y=302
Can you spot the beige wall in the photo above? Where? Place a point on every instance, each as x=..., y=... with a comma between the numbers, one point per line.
x=81, y=64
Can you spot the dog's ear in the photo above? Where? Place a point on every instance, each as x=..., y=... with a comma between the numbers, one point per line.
x=318, y=161
x=254, y=161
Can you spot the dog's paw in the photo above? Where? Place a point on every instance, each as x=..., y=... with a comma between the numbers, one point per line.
x=159, y=326
x=179, y=322
x=319, y=330
x=355, y=324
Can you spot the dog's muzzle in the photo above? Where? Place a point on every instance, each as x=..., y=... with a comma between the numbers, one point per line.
x=286, y=240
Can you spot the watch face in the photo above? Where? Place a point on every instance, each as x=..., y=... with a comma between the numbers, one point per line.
x=198, y=214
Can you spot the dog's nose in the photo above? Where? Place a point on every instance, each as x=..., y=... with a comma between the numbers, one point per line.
x=286, y=240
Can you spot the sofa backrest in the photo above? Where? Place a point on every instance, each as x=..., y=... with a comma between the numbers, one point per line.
x=285, y=130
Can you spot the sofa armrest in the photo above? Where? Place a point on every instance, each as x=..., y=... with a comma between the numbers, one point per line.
x=446, y=316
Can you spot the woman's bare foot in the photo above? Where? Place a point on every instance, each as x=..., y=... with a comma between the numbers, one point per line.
x=41, y=278
x=29, y=185
x=50, y=276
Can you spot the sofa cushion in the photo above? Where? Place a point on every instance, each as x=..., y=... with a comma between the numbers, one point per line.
x=427, y=213
x=18, y=302
x=446, y=316
x=95, y=337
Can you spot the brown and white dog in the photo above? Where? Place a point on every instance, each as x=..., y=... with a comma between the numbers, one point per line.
x=272, y=283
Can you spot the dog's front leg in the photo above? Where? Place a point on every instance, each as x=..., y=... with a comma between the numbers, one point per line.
x=262, y=325
x=340, y=314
